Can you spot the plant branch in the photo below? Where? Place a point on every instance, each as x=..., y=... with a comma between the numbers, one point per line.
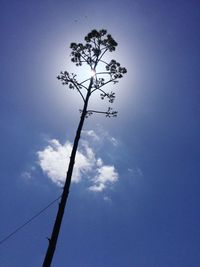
x=103, y=62
x=84, y=82
x=79, y=91
x=99, y=90
x=82, y=86
x=96, y=111
x=103, y=54
x=109, y=113
x=83, y=57
x=104, y=72
x=112, y=80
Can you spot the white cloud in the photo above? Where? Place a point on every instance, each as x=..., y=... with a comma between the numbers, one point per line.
x=100, y=136
x=97, y=187
x=92, y=134
x=99, y=162
x=54, y=160
x=106, y=175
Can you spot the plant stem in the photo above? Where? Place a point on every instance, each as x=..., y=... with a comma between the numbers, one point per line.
x=56, y=229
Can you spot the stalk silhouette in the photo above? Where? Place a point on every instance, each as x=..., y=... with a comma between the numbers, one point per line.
x=91, y=54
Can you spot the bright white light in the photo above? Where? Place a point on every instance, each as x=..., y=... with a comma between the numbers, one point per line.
x=92, y=73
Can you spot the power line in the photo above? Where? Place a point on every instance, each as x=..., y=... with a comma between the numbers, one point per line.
x=28, y=221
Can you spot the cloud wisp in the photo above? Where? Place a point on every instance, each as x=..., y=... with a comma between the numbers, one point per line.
x=54, y=160
x=106, y=175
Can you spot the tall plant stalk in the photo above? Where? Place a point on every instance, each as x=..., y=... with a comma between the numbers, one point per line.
x=97, y=44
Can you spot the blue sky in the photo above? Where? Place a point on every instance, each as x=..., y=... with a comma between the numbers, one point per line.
x=147, y=214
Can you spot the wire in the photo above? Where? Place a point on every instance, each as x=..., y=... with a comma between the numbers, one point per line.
x=28, y=221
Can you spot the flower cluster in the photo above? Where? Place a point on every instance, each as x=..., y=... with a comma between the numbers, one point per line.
x=91, y=53
x=97, y=42
x=115, y=70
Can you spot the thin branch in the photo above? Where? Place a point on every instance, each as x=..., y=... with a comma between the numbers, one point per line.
x=103, y=54
x=84, y=53
x=95, y=43
x=90, y=55
x=109, y=112
x=103, y=62
x=103, y=85
x=112, y=80
x=97, y=111
x=103, y=72
x=99, y=90
x=96, y=62
x=103, y=48
x=87, y=56
x=82, y=86
x=85, y=59
x=84, y=82
x=78, y=90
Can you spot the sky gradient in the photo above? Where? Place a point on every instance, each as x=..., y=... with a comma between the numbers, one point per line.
x=147, y=211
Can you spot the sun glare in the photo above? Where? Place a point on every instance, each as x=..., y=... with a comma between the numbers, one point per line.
x=92, y=72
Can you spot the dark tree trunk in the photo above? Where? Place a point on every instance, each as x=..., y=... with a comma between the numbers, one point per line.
x=62, y=204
